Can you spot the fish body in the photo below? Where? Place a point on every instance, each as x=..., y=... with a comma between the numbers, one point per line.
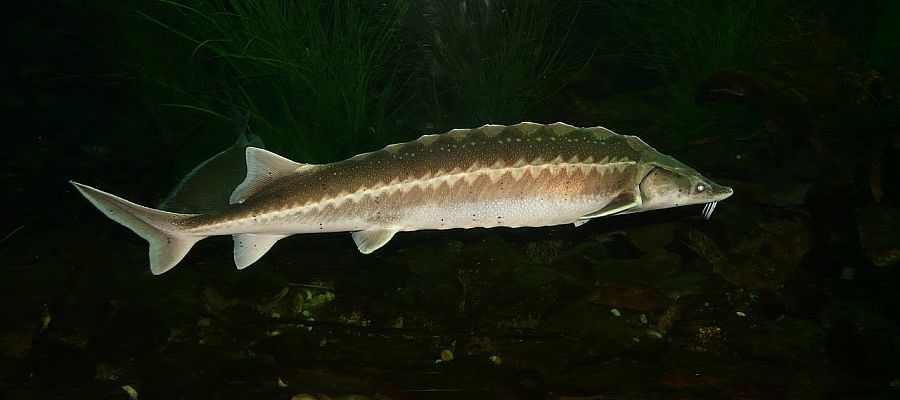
x=511, y=176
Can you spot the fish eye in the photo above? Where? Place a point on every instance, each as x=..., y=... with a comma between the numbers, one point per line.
x=700, y=188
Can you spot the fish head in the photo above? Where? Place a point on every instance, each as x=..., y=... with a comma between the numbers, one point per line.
x=674, y=185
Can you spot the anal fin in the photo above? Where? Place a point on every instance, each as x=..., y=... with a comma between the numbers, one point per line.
x=250, y=247
x=622, y=202
x=370, y=240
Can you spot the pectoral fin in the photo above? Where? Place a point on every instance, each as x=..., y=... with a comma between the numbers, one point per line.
x=370, y=240
x=622, y=202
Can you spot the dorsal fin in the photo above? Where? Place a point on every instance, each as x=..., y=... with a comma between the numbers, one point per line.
x=263, y=168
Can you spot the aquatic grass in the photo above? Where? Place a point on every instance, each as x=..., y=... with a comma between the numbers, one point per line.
x=688, y=40
x=885, y=43
x=491, y=61
x=317, y=76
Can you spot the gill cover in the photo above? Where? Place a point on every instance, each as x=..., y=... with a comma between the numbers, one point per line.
x=664, y=188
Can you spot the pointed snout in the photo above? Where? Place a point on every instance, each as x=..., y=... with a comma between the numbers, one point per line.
x=720, y=192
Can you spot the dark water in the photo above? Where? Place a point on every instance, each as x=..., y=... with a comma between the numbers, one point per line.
x=789, y=291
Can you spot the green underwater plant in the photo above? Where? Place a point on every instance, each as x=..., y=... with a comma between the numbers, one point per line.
x=691, y=39
x=323, y=80
x=318, y=77
x=687, y=41
x=490, y=61
x=885, y=48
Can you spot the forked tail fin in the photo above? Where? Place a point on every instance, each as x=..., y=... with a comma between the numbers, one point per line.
x=168, y=242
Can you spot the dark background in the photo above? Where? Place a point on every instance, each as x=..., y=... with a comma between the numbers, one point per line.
x=789, y=291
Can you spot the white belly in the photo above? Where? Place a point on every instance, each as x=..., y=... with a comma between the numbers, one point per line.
x=509, y=212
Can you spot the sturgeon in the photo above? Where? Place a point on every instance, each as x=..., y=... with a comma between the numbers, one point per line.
x=523, y=175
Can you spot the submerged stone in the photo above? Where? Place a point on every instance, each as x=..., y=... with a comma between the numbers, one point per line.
x=762, y=260
x=879, y=232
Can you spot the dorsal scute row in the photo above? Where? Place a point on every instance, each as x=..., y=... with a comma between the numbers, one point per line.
x=521, y=132
x=522, y=129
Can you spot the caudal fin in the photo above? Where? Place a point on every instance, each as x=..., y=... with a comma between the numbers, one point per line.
x=168, y=242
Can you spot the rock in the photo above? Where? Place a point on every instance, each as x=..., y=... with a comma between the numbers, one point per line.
x=56, y=363
x=15, y=341
x=647, y=267
x=236, y=328
x=762, y=260
x=195, y=371
x=543, y=252
x=662, y=262
x=630, y=296
x=879, y=233
x=259, y=286
x=712, y=319
x=866, y=349
x=134, y=330
x=796, y=342
x=522, y=385
x=479, y=344
x=647, y=238
x=595, y=321
x=701, y=336
x=861, y=340
x=702, y=244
